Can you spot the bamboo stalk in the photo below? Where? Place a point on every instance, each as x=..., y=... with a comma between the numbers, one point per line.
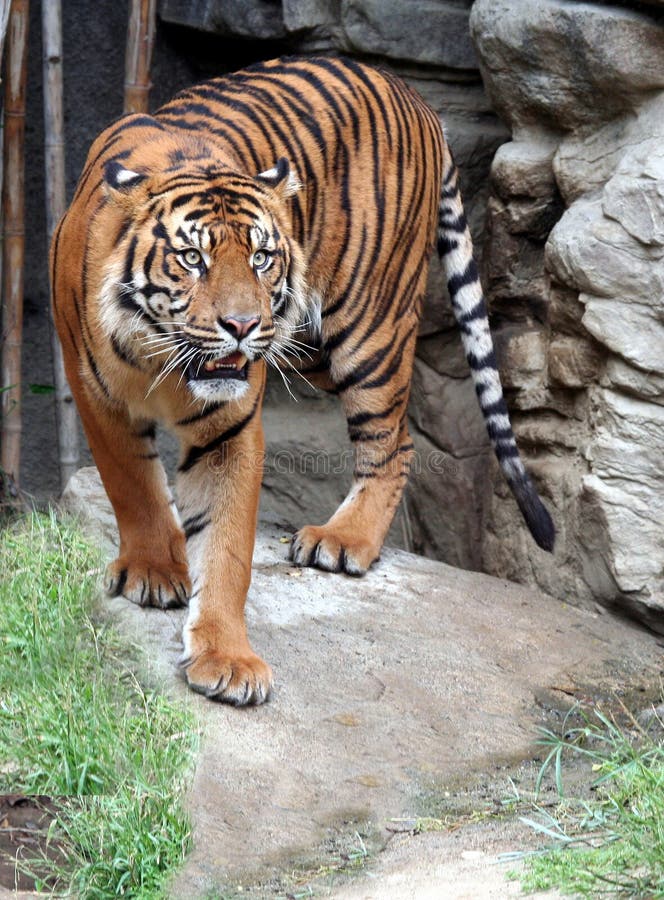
x=140, y=41
x=5, y=6
x=54, y=158
x=14, y=237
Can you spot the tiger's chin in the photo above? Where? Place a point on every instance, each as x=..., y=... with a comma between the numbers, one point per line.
x=214, y=391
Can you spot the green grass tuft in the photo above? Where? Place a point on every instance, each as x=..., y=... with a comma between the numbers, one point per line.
x=612, y=844
x=76, y=724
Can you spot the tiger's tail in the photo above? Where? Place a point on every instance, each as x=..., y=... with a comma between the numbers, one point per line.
x=456, y=252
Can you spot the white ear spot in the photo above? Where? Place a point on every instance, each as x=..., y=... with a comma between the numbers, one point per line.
x=116, y=176
x=126, y=175
x=269, y=175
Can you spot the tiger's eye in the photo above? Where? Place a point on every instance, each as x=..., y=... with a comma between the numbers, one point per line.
x=261, y=259
x=192, y=257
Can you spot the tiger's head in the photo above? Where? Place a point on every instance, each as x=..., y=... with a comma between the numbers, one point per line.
x=204, y=278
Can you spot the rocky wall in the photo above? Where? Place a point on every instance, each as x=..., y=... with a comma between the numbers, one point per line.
x=575, y=278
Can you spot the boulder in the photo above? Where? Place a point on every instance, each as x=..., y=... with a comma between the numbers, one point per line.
x=521, y=356
x=619, y=563
x=309, y=15
x=626, y=378
x=447, y=412
x=523, y=168
x=308, y=460
x=629, y=447
x=620, y=276
x=255, y=19
x=561, y=65
x=434, y=32
x=634, y=197
x=598, y=256
x=575, y=255
x=587, y=158
x=573, y=362
x=452, y=529
x=621, y=327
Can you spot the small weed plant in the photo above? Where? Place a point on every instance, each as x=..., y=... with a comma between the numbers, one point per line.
x=76, y=725
x=612, y=844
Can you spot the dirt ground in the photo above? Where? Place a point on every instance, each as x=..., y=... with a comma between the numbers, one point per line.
x=24, y=825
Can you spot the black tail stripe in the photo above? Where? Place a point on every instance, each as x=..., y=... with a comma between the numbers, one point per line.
x=498, y=408
x=497, y=433
x=446, y=245
x=468, y=276
x=482, y=362
x=479, y=311
x=458, y=225
x=506, y=451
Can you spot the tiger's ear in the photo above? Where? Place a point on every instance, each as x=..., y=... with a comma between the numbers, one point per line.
x=281, y=178
x=121, y=184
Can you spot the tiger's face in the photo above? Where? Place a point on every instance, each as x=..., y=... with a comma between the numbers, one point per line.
x=204, y=279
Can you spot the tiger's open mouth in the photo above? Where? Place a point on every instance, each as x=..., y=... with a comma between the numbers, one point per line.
x=235, y=365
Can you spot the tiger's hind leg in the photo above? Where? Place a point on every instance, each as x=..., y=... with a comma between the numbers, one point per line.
x=374, y=394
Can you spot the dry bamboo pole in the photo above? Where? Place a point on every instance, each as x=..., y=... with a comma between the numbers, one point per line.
x=54, y=159
x=5, y=6
x=14, y=237
x=140, y=41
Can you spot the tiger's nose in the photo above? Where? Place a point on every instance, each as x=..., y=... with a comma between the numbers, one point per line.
x=239, y=326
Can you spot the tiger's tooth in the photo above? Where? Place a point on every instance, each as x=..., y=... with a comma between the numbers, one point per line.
x=241, y=361
x=209, y=365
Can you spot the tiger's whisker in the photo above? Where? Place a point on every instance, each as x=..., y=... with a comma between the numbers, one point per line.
x=291, y=366
x=268, y=357
x=182, y=357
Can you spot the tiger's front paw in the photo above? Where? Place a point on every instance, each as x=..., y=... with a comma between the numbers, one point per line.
x=148, y=584
x=333, y=550
x=241, y=680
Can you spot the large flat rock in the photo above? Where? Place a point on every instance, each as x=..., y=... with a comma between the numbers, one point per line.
x=388, y=688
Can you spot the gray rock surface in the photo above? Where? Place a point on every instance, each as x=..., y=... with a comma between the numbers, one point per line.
x=563, y=65
x=426, y=31
x=576, y=256
x=257, y=19
x=391, y=689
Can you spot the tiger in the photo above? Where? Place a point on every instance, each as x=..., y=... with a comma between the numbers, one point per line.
x=294, y=203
